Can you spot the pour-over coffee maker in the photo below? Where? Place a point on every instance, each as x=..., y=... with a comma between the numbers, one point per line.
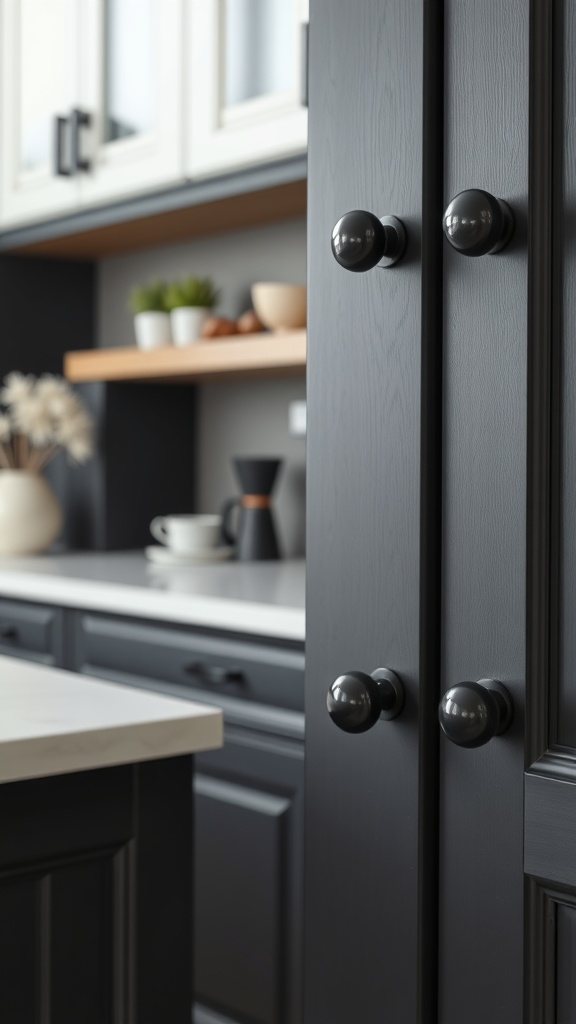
x=255, y=536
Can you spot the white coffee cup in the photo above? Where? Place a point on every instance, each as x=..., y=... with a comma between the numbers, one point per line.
x=187, y=534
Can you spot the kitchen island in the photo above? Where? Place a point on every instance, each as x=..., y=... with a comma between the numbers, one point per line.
x=95, y=848
x=226, y=634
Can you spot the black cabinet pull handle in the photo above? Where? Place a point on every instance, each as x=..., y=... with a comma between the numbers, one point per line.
x=80, y=119
x=8, y=632
x=215, y=675
x=361, y=240
x=356, y=701
x=60, y=125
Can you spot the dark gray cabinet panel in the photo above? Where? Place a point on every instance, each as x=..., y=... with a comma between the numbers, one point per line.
x=214, y=665
x=249, y=813
x=31, y=631
x=248, y=881
x=484, y=529
x=95, y=897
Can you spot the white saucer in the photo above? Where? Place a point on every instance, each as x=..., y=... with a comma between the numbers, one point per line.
x=164, y=556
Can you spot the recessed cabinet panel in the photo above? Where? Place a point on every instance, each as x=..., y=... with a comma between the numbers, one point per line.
x=83, y=941
x=131, y=90
x=260, y=51
x=129, y=32
x=565, y=961
x=20, y=902
x=239, y=898
x=248, y=55
x=39, y=79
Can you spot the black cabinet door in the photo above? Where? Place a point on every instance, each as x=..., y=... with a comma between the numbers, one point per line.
x=440, y=880
x=373, y=526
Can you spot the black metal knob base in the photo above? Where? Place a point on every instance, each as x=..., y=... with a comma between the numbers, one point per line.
x=471, y=714
x=361, y=241
x=476, y=223
x=395, y=241
x=356, y=701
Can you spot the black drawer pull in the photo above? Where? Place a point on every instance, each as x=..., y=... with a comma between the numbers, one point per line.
x=215, y=675
x=8, y=632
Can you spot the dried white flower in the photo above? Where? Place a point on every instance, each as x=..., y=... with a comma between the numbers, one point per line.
x=17, y=386
x=5, y=428
x=50, y=386
x=64, y=406
x=46, y=416
x=80, y=448
x=78, y=425
x=32, y=418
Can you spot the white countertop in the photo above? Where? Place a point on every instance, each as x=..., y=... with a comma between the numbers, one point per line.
x=53, y=722
x=262, y=598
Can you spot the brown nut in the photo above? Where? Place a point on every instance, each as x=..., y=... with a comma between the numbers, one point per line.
x=218, y=326
x=249, y=323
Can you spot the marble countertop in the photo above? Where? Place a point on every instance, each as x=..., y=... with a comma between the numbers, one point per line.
x=53, y=722
x=261, y=598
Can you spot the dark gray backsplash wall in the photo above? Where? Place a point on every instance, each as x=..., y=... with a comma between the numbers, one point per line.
x=235, y=418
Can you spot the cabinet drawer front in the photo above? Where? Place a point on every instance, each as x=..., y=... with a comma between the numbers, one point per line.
x=31, y=631
x=202, y=662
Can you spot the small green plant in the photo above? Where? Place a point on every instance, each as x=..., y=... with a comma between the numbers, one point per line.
x=149, y=298
x=192, y=291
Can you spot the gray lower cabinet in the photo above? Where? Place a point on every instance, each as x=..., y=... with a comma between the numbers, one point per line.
x=248, y=795
x=248, y=803
x=32, y=631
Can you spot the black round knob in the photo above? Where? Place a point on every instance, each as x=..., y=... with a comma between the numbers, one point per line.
x=478, y=224
x=472, y=713
x=356, y=701
x=360, y=241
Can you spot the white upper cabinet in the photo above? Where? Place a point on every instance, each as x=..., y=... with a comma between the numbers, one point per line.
x=244, y=83
x=40, y=87
x=107, y=99
x=132, y=91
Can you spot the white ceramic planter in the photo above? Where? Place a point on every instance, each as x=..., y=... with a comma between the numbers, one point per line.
x=30, y=515
x=152, y=329
x=187, y=323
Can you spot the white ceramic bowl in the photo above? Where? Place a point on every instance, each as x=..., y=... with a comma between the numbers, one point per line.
x=280, y=307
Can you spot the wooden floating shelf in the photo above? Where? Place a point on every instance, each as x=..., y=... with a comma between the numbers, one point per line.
x=251, y=355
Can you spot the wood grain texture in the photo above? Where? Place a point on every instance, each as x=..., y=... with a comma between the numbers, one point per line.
x=365, y=501
x=248, y=355
x=485, y=388
x=229, y=214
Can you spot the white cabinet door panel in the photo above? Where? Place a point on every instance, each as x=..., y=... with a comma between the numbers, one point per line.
x=39, y=78
x=243, y=83
x=132, y=89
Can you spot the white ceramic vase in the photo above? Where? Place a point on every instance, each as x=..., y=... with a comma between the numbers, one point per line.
x=30, y=515
x=187, y=323
x=152, y=329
